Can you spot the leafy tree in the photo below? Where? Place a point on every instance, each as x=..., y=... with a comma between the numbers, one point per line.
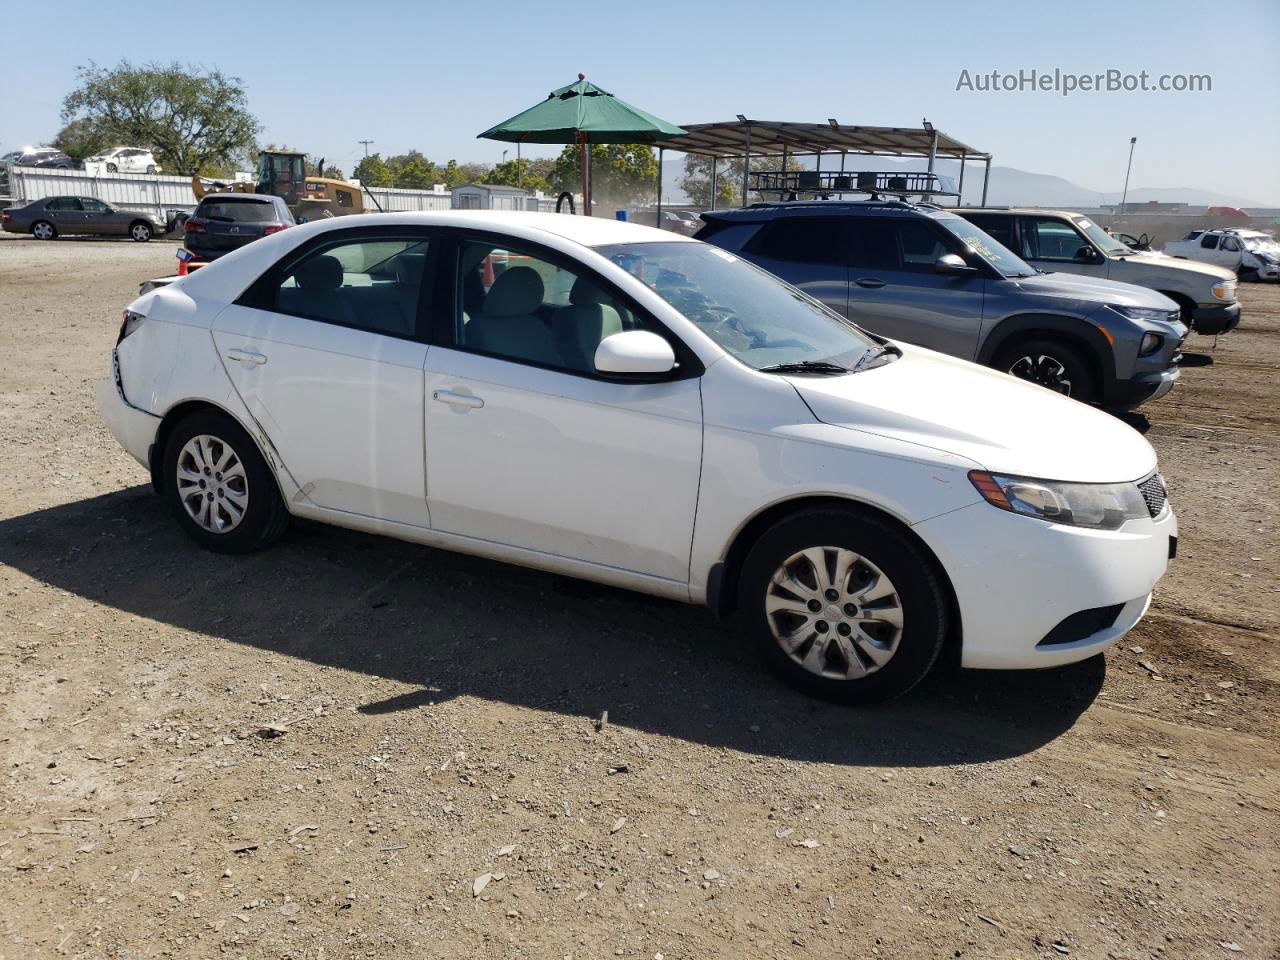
x=373, y=171
x=531, y=175
x=413, y=171
x=622, y=173
x=193, y=120
x=82, y=138
x=696, y=181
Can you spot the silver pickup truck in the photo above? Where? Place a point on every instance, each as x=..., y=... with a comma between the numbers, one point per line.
x=1060, y=241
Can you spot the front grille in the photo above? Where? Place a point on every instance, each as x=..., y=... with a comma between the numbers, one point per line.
x=1154, y=493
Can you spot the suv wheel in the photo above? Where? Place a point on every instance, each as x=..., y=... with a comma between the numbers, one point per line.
x=1050, y=364
x=843, y=606
x=218, y=486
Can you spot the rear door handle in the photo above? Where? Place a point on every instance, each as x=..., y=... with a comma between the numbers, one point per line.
x=246, y=356
x=456, y=399
x=871, y=282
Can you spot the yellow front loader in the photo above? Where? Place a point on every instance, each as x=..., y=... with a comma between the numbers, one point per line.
x=284, y=175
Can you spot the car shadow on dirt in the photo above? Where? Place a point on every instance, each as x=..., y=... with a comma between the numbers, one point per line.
x=448, y=625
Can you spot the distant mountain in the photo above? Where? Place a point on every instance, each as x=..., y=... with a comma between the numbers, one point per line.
x=1012, y=187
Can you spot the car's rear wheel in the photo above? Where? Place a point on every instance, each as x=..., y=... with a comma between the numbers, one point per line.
x=843, y=606
x=1051, y=364
x=43, y=230
x=151, y=168
x=219, y=487
x=141, y=232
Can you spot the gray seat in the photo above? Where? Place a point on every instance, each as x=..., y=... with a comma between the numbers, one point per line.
x=508, y=323
x=318, y=291
x=579, y=327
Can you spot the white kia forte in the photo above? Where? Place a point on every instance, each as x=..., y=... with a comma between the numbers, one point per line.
x=622, y=404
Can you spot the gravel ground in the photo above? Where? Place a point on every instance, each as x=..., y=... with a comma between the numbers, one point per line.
x=353, y=747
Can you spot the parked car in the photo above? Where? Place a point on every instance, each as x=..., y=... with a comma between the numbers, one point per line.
x=1250, y=254
x=921, y=274
x=677, y=222
x=37, y=157
x=126, y=160
x=53, y=217
x=1064, y=242
x=608, y=401
x=223, y=222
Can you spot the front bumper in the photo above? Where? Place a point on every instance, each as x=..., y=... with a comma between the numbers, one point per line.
x=1016, y=578
x=1127, y=394
x=134, y=429
x=1212, y=320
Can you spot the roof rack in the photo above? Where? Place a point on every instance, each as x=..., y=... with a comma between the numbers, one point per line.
x=874, y=182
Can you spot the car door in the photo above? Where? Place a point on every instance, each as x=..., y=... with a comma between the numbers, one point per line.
x=99, y=218
x=1053, y=244
x=67, y=214
x=527, y=446
x=896, y=291
x=326, y=350
x=1228, y=253
x=808, y=252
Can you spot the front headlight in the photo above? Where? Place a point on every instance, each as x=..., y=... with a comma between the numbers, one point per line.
x=1100, y=506
x=1145, y=313
x=1224, y=290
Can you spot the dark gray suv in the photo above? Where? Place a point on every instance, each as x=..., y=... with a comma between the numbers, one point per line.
x=921, y=274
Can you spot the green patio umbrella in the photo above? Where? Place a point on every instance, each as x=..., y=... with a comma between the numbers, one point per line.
x=582, y=113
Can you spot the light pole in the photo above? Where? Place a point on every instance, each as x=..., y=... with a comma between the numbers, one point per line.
x=1125, y=196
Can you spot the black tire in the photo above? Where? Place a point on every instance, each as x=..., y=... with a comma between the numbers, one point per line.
x=919, y=597
x=1052, y=364
x=141, y=231
x=264, y=519
x=112, y=168
x=44, y=230
x=150, y=168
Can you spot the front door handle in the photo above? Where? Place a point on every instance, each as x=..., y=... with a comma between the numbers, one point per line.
x=870, y=282
x=456, y=399
x=246, y=356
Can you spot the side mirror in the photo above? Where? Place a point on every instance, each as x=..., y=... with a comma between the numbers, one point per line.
x=635, y=352
x=952, y=265
x=1087, y=254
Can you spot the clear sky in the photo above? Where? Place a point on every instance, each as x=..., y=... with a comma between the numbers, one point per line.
x=323, y=75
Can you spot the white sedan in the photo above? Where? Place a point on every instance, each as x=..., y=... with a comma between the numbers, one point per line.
x=613, y=402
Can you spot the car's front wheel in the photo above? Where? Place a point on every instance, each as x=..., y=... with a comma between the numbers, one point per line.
x=141, y=232
x=843, y=605
x=43, y=230
x=1050, y=364
x=220, y=489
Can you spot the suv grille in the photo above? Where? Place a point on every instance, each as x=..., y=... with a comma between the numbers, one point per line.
x=1154, y=493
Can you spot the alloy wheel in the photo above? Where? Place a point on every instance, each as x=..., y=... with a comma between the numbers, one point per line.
x=1045, y=370
x=834, y=612
x=212, y=484
x=42, y=231
x=140, y=232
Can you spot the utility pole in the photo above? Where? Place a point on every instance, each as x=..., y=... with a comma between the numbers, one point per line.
x=365, y=144
x=1125, y=196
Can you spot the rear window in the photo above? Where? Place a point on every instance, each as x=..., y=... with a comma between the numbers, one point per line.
x=237, y=211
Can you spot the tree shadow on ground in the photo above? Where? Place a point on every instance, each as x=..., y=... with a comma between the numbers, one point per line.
x=449, y=625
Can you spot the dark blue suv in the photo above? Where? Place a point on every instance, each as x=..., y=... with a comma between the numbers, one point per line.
x=919, y=273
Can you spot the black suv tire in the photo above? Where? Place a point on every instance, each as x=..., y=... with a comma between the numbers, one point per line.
x=1052, y=364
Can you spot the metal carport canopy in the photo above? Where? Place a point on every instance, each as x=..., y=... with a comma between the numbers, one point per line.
x=771, y=138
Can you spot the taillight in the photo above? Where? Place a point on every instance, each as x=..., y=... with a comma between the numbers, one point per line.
x=274, y=228
x=5, y=217
x=193, y=227
x=131, y=322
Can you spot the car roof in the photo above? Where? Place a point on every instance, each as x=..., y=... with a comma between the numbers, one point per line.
x=233, y=195
x=1033, y=211
x=760, y=212
x=587, y=231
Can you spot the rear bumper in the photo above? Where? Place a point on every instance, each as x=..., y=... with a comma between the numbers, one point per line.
x=1017, y=578
x=1211, y=320
x=134, y=429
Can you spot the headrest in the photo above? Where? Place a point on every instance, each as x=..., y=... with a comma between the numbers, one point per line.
x=409, y=268
x=321, y=273
x=584, y=293
x=516, y=292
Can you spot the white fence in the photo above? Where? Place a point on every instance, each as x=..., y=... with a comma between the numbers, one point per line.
x=157, y=193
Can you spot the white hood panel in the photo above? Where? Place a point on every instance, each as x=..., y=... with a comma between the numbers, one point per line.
x=1004, y=424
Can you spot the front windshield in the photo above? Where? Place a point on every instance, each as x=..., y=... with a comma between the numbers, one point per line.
x=995, y=253
x=1101, y=239
x=759, y=319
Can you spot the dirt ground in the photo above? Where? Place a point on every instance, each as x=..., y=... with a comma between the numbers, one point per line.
x=323, y=750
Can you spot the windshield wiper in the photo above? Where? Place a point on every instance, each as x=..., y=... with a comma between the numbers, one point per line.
x=871, y=356
x=806, y=366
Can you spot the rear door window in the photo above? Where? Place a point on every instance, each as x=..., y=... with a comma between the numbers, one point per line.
x=812, y=240
x=997, y=227
x=1209, y=241
x=873, y=244
x=63, y=203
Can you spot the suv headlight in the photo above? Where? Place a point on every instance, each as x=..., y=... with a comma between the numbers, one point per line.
x=1100, y=506
x=1224, y=290
x=1145, y=313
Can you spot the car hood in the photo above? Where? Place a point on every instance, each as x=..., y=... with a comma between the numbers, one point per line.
x=1095, y=290
x=1003, y=424
x=1178, y=263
